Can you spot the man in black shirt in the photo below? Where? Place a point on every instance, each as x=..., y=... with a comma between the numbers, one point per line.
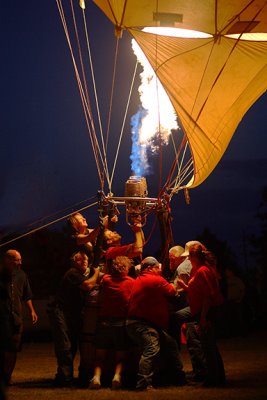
x=14, y=290
x=65, y=314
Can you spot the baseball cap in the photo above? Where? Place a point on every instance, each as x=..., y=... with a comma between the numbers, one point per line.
x=188, y=245
x=149, y=262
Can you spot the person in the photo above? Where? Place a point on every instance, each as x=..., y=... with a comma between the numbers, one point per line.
x=203, y=297
x=147, y=323
x=84, y=237
x=179, y=259
x=110, y=249
x=5, y=340
x=178, y=302
x=112, y=246
x=111, y=334
x=175, y=259
x=16, y=288
x=65, y=314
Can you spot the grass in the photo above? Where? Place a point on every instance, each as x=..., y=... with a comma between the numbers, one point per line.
x=245, y=361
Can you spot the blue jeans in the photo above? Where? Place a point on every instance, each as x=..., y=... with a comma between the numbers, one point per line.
x=152, y=340
x=66, y=334
x=203, y=349
x=193, y=341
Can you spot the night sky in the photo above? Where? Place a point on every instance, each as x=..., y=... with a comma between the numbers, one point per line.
x=47, y=166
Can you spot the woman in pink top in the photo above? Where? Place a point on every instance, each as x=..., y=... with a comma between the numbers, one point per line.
x=203, y=297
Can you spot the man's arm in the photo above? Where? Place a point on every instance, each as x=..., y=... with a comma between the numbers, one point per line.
x=89, y=283
x=89, y=237
x=139, y=237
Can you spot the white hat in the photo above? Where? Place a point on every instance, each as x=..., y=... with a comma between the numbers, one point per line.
x=176, y=251
x=188, y=245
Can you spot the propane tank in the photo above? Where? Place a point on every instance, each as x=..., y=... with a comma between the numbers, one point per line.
x=135, y=186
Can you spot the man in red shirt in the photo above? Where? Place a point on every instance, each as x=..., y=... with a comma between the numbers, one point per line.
x=148, y=317
x=112, y=240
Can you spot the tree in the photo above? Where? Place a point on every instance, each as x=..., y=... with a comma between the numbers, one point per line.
x=224, y=254
x=259, y=242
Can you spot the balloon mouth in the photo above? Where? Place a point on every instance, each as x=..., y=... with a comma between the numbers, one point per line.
x=192, y=34
x=176, y=32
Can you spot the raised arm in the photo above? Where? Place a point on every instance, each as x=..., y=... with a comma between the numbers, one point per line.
x=139, y=237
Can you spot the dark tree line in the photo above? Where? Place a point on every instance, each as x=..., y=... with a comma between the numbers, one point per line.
x=259, y=242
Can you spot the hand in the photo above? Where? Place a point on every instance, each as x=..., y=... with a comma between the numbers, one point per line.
x=203, y=326
x=115, y=218
x=34, y=317
x=104, y=221
x=181, y=283
x=137, y=223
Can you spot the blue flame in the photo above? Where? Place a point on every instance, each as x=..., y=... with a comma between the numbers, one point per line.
x=138, y=155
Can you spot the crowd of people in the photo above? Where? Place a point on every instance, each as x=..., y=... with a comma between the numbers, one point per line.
x=143, y=308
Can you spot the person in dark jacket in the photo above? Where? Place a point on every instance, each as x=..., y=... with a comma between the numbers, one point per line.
x=15, y=289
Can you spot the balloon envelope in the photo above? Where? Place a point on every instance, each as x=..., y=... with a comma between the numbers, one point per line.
x=211, y=81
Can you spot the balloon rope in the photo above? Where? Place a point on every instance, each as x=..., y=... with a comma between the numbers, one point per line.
x=96, y=97
x=84, y=80
x=93, y=136
x=173, y=167
x=46, y=225
x=184, y=170
x=112, y=90
x=87, y=112
x=123, y=124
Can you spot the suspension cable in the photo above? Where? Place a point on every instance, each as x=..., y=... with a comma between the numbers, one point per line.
x=87, y=111
x=183, y=170
x=94, y=137
x=112, y=89
x=123, y=124
x=96, y=96
x=46, y=225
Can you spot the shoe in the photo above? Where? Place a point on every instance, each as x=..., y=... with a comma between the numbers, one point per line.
x=8, y=380
x=180, y=379
x=214, y=383
x=148, y=388
x=95, y=383
x=61, y=381
x=116, y=382
x=198, y=378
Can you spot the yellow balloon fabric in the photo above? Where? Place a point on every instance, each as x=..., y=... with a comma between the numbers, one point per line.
x=212, y=81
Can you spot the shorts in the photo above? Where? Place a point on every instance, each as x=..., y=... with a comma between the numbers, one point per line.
x=112, y=335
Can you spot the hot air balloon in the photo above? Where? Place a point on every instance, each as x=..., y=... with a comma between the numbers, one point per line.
x=211, y=58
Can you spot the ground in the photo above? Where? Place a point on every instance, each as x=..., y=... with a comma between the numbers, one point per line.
x=245, y=361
